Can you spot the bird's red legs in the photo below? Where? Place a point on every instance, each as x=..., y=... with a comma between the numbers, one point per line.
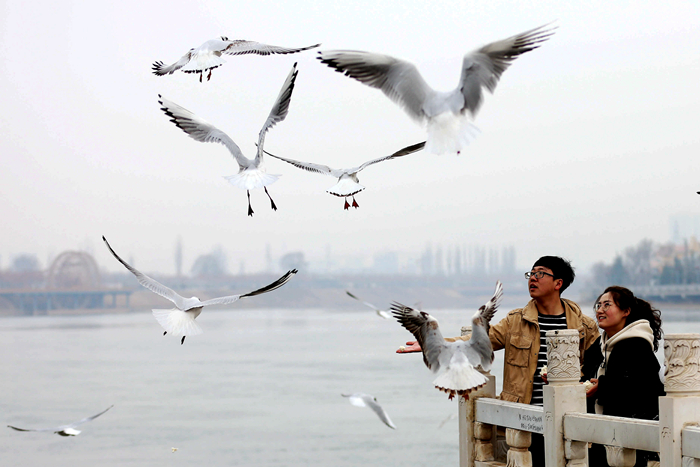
x=354, y=203
x=268, y=195
x=200, y=76
x=250, y=210
x=346, y=204
x=209, y=75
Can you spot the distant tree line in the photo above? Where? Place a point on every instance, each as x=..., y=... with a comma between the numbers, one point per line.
x=651, y=264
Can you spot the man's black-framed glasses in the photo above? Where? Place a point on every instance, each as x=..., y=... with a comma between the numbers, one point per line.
x=537, y=274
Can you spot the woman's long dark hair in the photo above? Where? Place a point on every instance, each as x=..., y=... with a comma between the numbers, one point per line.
x=639, y=309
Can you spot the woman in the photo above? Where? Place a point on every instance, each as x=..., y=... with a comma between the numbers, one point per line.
x=627, y=383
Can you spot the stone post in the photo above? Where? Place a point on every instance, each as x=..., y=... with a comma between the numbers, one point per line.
x=562, y=394
x=476, y=440
x=519, y=445
x=681, y=405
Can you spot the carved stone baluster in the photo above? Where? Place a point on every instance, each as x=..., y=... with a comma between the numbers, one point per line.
x=519, y=442
x=620, y=457
x=575, y=453
x=562, y=393
x=483, y=448
x=681, y=405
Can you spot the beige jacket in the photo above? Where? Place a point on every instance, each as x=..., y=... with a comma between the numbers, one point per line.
x=519, y=334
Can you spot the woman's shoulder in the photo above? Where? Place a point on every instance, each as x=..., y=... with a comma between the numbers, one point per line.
x=634, y=344
x=634, y=349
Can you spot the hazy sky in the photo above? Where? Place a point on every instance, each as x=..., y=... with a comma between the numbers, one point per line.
x=588, y=145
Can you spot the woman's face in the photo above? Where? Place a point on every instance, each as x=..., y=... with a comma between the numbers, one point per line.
x=609, y=316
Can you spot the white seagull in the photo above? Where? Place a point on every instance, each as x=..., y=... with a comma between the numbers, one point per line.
x=381, y=313
x=251, y=173
x=207, y=56
x=360, y=399
x=65, y=430
x=459, y=358
x=348, y=183
x=180, y=321
x=448, y=115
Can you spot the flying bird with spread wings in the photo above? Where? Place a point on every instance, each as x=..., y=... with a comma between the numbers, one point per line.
x=207, y=56
x=458, y=359
x=379, y=312
x=360, y=399
x=448, y=115
x=252, y=173
x=180, y=321
x=64, y=430
x=348, y=183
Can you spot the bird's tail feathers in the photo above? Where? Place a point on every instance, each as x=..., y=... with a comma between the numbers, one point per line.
x=177, y=322
x=250, y=179
x=203, y=63
x=450, y=133
x=460, y=377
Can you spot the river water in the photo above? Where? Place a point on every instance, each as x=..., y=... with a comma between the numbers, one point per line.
x=257, y=388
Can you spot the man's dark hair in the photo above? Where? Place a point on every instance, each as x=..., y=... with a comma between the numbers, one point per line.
x=560, y=267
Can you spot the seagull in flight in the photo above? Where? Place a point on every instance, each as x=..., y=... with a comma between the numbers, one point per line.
x=458, y=359
x=348, y=183
x=360, y=399
x=381, y=313
x=448, y=115
x=180, y=321
x=251, y=173
x=207, y=56
x=65, y=430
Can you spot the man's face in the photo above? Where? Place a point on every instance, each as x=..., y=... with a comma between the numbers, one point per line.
x=544, y=286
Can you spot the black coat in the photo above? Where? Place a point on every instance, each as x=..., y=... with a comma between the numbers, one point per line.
x=631, y=385
x=629, y=388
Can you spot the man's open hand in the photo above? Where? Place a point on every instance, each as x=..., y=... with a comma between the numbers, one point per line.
x=411, y=346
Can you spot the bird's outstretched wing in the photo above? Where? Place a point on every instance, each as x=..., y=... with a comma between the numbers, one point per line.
x=160, y=69
x=241, y=47
x=398, y=79
x=87, y=419
x=381, y=313
x=366, y=400
x=200, y=130
x=483, y=68
x=484, y=315
x=151, y=284
x=268, y=288
x=64, y=427
x=279, y=110
x=426, y=331
x=401, y=152
x=309, y=166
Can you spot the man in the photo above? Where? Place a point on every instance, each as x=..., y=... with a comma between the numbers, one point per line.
x=522, y=334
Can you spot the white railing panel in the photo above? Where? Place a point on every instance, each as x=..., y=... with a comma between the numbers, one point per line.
x=509, y=414
x=631, y=433
x=690, y=441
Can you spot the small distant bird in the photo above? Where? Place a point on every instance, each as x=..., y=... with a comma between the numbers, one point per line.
x=448, y=115
x=348, y=183
x=173, y=449
x=180, y=321
x=459, y=358
x=382, y=313
x=251, y=173
x=65, y=430
x=360, y=399
x=207, y=56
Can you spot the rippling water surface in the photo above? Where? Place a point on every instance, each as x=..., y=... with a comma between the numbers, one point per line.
x=259, y=387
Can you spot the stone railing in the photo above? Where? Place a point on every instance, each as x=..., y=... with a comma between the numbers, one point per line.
x=568, y=429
